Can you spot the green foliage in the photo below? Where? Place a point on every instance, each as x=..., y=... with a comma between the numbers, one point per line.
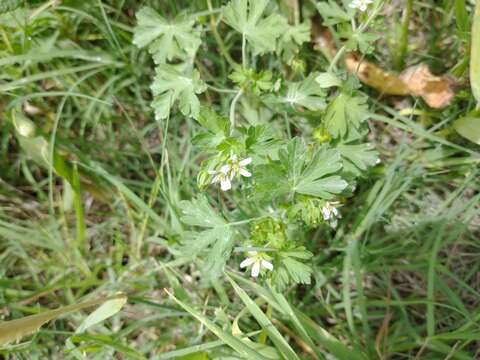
x=171, y=86
x=344, y=112
x=249, y=80
x=292, y=39
x=9, y=5
x=357, y=157
x=332, y=13
x=302, y=172
x=215, y=241
x=306, y=93
x=290, y=270
x=165, y=40
x=350, y=248
x=246, y=16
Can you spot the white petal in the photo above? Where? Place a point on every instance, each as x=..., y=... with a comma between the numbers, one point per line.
x=267, y=265
x=233, y=158
x=335, y=211
x=215, y=179
x=363, y=7
x=245, y=173
x=245, y=162
x=247, y=262
x=225, y=169
x=325, y=213
x=256, y=269
x=225, y=184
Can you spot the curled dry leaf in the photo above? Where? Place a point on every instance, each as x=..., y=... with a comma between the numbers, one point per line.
x=437, y=91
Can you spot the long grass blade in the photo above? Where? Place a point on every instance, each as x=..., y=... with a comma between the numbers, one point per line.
x=14, y=330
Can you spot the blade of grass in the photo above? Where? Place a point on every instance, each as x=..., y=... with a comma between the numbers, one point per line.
x=265, y=323
x=15, y=329
x=475, y=54
x=235, y=343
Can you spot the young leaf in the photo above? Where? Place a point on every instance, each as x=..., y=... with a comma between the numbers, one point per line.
x=302, y=172
x=215, y=240
x=166, y=40
x=293, y=38
x=289, y=270
x=245, y=16
x=170, y=86
x=332, y=13
x=357, y=157
x=307, y=93
x=327, y=79
x=343, y=112
x=313, y=179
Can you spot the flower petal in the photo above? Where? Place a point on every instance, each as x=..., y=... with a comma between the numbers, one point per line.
x=247, y=262
x=233, y=158
x=256, y=269
x=245, y=162
x=325, y=213
x=267, y=265
x=215, y=179
x=225, y=169
x=244, y=172
x=225, y=184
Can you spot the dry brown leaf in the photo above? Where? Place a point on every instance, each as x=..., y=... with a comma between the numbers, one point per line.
x=417, y=80
x=376, y=77
x=435, y=90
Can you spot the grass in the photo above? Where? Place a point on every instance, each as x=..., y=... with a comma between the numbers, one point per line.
x=397, y=280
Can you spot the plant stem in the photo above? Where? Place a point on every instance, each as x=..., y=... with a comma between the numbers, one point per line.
x=244, y=51
x=79, y=214
x=221, y=46
x=232, y=110
x=357, y=31
x=402, y=40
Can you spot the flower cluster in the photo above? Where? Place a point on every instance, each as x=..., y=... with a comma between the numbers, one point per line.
x=229, y=171
x=330, y=213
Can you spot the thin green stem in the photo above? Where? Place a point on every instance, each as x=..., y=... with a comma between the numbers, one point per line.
x=232, y=110
x=79, y=214
x=221, y=46
x=357, y=31
x=402, y=40
x=244, y=51
x=219, y=90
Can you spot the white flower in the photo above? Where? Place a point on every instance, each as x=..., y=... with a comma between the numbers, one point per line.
x=222, y=176
x=360, y=4
x=227, y=172
x=258, y=260
x=238, y=167
x=330, y=213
